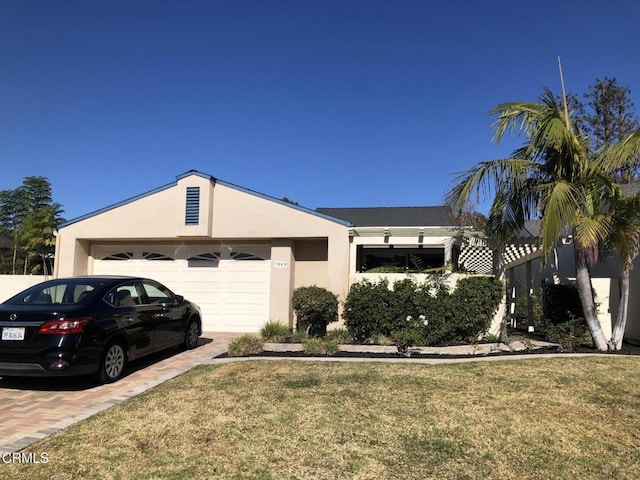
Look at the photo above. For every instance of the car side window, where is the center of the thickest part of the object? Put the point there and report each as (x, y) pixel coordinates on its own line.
(124, 296)
(157, 293)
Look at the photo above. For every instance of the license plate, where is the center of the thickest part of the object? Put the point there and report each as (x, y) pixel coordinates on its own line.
(13, 333)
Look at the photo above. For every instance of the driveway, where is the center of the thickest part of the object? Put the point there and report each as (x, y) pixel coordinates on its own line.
(34, 408)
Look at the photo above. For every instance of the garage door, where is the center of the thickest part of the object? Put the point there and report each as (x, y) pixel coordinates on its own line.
(230, 284)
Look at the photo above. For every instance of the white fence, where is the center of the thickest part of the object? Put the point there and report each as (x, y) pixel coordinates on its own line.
(12, 284)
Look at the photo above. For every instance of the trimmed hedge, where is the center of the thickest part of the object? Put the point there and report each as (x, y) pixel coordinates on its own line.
(422, 313)
(315, 307)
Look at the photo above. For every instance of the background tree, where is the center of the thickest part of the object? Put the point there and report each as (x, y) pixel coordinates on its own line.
(28, 217)
(607, 115)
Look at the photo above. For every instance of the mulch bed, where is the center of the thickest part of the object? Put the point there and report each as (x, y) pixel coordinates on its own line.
(627, 349)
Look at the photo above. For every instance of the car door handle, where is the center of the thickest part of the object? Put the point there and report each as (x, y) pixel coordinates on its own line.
(129, 320)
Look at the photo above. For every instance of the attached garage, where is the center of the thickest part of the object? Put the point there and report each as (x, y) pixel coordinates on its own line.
(237, 253)
(230, 283)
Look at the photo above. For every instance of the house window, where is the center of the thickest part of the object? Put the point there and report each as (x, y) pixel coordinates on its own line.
(192, 212)
(119, 256)
(390, 258)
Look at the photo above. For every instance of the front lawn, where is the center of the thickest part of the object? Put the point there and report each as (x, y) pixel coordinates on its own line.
(540, 418)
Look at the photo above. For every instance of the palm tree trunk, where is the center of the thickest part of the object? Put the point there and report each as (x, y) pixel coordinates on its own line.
(585, 291)
(620, 324)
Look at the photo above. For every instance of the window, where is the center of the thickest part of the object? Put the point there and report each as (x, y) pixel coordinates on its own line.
(157, 294)
(413, 259)
(59, 292)
(119, 256)
(192, 211)
(124, 296)
(244, 256)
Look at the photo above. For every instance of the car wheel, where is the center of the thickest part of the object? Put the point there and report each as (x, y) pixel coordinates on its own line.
(112, 364)
(191, 335)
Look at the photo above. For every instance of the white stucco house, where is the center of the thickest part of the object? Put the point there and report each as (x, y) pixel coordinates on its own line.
(239, 254)
(235, 252)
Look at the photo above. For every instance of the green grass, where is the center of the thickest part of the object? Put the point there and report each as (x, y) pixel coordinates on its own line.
(534, 419)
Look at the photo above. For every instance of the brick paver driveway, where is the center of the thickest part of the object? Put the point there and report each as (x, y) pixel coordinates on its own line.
(37, 407)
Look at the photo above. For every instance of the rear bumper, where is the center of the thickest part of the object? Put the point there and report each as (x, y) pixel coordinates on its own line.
(51, 364)
(36, 370)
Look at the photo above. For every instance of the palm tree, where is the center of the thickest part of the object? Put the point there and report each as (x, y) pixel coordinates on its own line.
(551, 177)
(625, 236)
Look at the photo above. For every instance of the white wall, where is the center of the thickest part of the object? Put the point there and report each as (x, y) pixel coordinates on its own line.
(12, 284)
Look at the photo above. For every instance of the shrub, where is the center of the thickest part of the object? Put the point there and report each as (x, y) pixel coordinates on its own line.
(570, 334)
(319, 346)
(340, 335)
(275, 332)
(475, 300)
(379, 339)
(315, 307)
(373, 310)
(247, 344)
(407, 338)
(366, 311)
(299, 336)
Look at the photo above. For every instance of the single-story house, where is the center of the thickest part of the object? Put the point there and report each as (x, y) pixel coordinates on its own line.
(239, 254)
(235, 252)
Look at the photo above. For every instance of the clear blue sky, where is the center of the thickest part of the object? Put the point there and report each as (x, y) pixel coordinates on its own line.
(330, 103)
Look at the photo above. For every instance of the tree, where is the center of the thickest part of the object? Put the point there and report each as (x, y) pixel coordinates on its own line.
(609, 119)
(551, 177)
(28, 217)
(625, 237)
(607, 116)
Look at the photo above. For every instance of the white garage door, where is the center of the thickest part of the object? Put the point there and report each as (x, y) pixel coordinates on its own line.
(230, 284)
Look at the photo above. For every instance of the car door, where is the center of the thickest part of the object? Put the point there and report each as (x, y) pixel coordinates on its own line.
(132, 318)
(168, 315)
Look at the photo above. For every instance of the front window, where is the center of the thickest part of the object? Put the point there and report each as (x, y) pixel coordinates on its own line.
(401, 259)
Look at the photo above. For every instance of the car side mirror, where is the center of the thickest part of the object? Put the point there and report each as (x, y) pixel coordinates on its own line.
(179, 299)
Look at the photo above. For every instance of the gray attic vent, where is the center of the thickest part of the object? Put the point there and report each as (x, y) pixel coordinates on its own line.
(192, 212)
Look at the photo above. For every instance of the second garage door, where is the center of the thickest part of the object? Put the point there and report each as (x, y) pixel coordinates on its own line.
(230, 283)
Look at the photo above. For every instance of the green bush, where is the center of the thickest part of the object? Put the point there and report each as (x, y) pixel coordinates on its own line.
(570, 334)
(247, 344)
(275, 332)
(315, 307)
(475, 300)
(340, 335)
(366, 309)
(320, 346)
(407, 338)
(437, 315)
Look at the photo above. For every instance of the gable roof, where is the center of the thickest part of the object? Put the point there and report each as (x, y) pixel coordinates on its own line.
(437, 216)
(215, 181)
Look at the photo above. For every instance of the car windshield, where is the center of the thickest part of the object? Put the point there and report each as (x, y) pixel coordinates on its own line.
(55, 292)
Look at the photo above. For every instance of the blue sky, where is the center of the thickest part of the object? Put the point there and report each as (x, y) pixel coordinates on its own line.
(330, 103)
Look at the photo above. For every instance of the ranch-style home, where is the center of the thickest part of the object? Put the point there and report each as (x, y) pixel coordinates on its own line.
(239, 254)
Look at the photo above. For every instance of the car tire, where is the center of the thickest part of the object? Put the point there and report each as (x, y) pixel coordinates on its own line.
(112, 364)
(191, 335)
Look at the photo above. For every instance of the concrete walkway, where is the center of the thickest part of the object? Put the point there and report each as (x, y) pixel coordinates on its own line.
(33, 409)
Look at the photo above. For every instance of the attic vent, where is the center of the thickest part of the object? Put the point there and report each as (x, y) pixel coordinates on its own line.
(192, 212)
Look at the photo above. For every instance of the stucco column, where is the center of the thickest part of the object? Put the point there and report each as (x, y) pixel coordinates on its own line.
(282, 278)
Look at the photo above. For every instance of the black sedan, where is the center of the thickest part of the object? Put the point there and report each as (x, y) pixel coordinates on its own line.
(92, 325)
